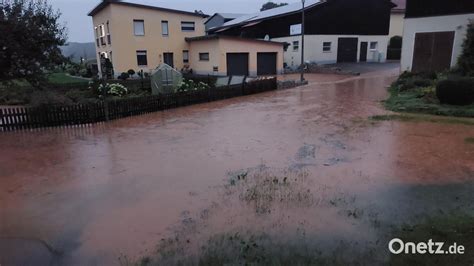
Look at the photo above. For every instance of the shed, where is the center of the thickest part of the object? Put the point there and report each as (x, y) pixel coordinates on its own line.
(165, 79)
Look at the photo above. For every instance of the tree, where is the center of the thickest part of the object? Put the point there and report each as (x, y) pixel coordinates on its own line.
(466, 60)
(30, 40)
(271, 5)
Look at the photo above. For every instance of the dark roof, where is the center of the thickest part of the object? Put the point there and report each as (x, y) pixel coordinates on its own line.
(420, 8)
(135, 3)
(225, 16)
(216, 37)
(275, 13)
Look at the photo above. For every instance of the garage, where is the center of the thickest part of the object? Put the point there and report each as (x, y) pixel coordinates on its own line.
(266, 64)
(237, 64)
(347, 50)
(433, 51)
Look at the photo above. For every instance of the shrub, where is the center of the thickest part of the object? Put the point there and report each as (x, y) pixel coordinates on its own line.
(456, 91)
(115, 89)
(466, 60)
(131, 72)
(124, 76)
(190, 85)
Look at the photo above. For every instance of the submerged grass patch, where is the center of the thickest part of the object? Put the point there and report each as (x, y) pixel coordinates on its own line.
(422, 118)
(451, 228)
(469, 140)
(423, 100)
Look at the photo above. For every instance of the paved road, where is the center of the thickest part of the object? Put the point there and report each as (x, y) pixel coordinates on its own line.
(88, 196)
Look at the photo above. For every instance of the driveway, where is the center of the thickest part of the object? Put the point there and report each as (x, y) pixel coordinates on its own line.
(91, 195)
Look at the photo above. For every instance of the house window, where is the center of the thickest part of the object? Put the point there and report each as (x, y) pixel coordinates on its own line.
(97, 36)
(296, 46)
(203, 56)
(185, 56)
(327, 46)
(109, 39)
(164, 28)
(139, 27)
(141, 58)
(373, 45)
(187, 26)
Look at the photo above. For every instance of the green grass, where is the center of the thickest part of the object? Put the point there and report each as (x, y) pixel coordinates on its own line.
(423, 100)
(63, 78)
(423, 118)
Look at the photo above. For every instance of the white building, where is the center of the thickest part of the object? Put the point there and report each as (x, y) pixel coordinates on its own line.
(335, 30)
(434, 33)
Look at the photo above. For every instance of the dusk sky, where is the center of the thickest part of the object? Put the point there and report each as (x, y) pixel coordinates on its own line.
(74, 12)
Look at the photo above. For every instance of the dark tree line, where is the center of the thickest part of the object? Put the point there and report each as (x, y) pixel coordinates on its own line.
(271, 5)
(30, 38)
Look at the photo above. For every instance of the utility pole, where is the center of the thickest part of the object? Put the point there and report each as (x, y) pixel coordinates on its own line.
(302, 41)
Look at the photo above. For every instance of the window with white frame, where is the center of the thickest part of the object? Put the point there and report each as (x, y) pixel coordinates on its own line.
(296, 46)
(187, 26)
(327, 47)
(165, 28)
(185, 56)
(374, 45)
(139, 27)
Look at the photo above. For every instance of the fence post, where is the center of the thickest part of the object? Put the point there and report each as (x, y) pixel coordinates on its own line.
(2, 120)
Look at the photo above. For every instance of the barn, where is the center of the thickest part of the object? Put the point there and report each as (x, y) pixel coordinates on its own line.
(433, 34)
(335, 30)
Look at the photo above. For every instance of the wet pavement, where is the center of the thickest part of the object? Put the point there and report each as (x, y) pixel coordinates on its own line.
(92, 195)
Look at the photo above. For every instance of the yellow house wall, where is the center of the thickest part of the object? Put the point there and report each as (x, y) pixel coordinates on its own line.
(396, 24)
(218, 49)
(125, 43)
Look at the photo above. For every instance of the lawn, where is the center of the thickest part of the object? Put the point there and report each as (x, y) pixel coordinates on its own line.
(415, 94)
(63, 78)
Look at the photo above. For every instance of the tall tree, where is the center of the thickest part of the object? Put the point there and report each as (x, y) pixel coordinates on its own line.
(270, 5)
(30, 38)
(466, 60)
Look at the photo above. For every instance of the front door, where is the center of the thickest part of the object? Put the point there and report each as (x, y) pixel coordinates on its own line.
(363, 51)
(168, 59)
(347, 50)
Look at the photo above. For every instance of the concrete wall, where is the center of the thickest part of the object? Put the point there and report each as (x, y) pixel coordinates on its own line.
(125, 43)
(457, 23)
(396, 24)
(218, 49)
(314, 49)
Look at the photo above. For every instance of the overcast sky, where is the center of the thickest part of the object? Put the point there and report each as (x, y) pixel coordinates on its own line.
(74, 12)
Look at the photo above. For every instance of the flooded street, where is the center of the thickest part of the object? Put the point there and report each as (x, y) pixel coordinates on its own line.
(112, 192)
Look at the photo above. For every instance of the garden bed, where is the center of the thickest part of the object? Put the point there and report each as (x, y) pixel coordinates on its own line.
(416, 93)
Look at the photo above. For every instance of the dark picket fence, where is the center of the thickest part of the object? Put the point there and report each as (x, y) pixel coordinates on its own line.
(21, 118)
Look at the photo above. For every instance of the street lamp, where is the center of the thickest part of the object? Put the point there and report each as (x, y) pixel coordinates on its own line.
(302, 42)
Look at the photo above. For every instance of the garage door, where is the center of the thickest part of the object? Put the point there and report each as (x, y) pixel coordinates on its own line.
(237, 64)
(347, 50)
(433, 51)
(266, 64)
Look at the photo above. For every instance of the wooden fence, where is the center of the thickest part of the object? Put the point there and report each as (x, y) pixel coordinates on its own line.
(21, 118)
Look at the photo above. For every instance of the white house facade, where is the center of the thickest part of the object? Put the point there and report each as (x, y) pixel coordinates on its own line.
(434, 33)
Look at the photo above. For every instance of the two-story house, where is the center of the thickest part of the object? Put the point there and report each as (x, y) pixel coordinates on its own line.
(140, 37)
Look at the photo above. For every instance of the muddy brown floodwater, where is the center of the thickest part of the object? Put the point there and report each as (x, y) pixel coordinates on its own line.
(301, 161)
